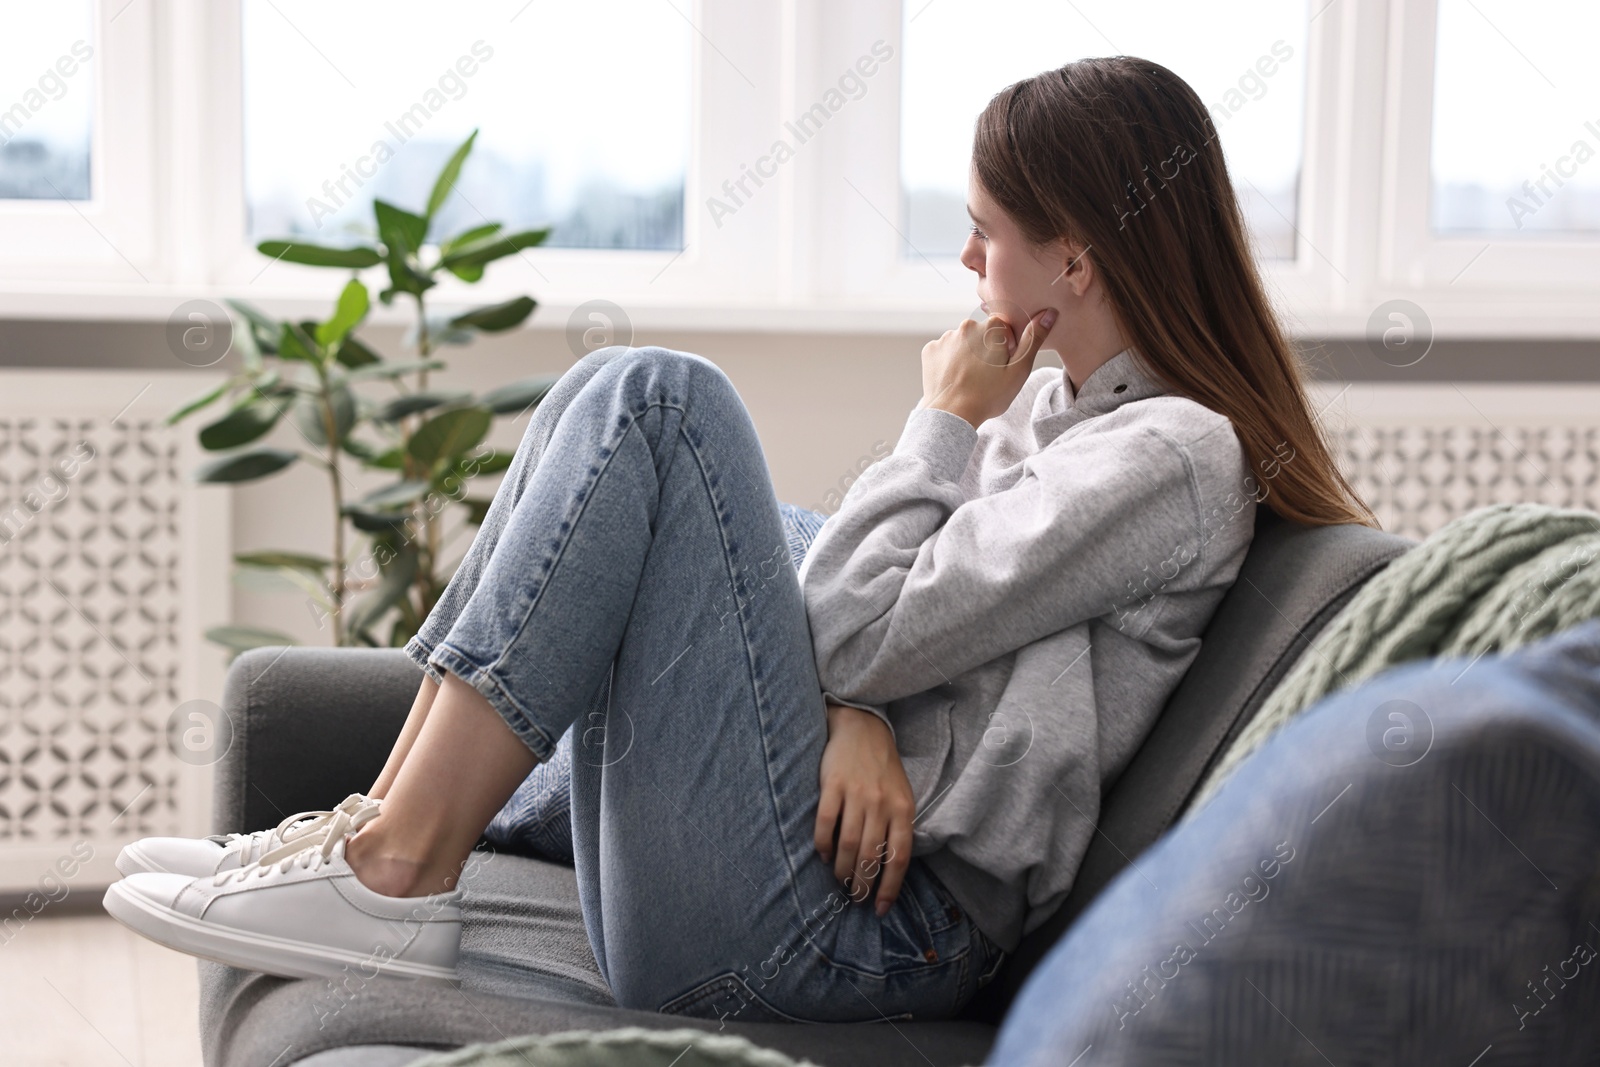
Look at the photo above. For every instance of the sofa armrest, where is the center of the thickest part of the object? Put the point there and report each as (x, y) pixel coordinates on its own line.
(310, 727)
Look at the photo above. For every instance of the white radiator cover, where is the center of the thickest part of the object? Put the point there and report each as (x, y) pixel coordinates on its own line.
(112, 563)
(1424, 454)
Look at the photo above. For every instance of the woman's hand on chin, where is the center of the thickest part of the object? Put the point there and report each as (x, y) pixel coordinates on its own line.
(977, 369)
(867, 803)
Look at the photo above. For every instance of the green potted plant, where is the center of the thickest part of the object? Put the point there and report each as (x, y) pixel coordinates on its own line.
(385, 569)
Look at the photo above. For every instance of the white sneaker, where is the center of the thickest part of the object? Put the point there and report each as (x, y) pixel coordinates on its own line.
(199, 856)
(299, 913)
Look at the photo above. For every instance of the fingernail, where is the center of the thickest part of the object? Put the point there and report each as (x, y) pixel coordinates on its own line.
(883, 908)
(1049, 319)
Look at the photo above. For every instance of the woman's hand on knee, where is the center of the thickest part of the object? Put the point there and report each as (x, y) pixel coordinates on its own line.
(866, 804)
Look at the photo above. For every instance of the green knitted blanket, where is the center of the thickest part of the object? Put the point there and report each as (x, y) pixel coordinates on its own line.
(1492, 580)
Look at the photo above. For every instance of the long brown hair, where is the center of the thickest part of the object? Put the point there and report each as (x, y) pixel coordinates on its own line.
(1120, 155)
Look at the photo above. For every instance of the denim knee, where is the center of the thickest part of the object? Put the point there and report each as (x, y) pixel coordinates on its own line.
(685, 374)
(605, 355)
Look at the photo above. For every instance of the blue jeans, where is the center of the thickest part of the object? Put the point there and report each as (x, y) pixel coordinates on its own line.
(1405, 874)
(631, 580)
(537, 820)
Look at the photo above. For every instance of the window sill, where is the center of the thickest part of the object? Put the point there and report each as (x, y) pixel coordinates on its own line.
(1451, 315)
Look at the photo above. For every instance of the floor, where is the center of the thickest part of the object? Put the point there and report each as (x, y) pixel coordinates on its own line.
(82, 990)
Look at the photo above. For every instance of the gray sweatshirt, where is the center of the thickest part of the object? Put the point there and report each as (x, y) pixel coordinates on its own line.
(1017, 602)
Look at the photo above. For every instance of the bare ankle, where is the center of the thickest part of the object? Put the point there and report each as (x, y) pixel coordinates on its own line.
(392, 873)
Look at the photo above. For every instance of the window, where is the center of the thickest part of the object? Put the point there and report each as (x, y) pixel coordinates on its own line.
(1445, 152)
(1245, 58)
(581, 127)
(47, 94)
(1516, 126)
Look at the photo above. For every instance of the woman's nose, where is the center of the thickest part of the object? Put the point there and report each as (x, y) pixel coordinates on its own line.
(972, 256)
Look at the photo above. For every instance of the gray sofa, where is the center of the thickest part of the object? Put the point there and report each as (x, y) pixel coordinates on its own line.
(311, 725)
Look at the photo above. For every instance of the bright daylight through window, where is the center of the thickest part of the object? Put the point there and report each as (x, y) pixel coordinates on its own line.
(375, 106)
(1516, 118)
(1246, 59)
(46, 101)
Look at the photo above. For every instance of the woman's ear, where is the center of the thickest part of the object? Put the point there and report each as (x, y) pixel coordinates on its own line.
(1077, 269)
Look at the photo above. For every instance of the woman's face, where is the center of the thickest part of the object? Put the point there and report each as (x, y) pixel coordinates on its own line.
(1016, 279)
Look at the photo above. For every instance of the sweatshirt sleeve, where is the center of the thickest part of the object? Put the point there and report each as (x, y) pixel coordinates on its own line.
(911, 584)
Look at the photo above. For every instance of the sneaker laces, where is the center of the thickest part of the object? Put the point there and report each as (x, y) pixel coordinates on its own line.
(301, 825)
(308, 849)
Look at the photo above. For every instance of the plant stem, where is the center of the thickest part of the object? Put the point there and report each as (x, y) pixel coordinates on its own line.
(428, 549)
(330, 431)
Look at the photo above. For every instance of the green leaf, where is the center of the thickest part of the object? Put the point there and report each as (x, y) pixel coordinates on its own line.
(282, 580)
(477, 508)
(395, 495)
(449, 434)
(296, 343)
(377, 522)
(344, 410)
(245, 466)
(306, 381)
(354, 353)
(477, 233)
(489, 249)
(446, 181)
(411, 403)
(250, 420)
(493, 318)
(389, 459)
(354, 301)
(520, 395)
(265, 330)
(272, 384)
(401, 230)
(395, 583)
(311, 418)
(451, 476)
(472, 273)
(362, 450)
(491, 462)
(315, 255)
(244, 638)
(317, 565)
(394, 459)
(253, 315)
(368, 372)
(248, 346)
(405, 277)
(202, 401)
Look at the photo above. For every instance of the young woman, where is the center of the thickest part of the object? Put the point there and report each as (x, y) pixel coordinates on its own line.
(842, 794)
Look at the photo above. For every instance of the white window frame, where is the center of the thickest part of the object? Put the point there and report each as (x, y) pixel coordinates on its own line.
(817, 247)
(1472, 284)
(857, 186)
(660, 284)
(112, 240)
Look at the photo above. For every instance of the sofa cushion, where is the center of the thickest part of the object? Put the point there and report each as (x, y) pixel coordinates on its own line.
(629, 1047)
(526, 968)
